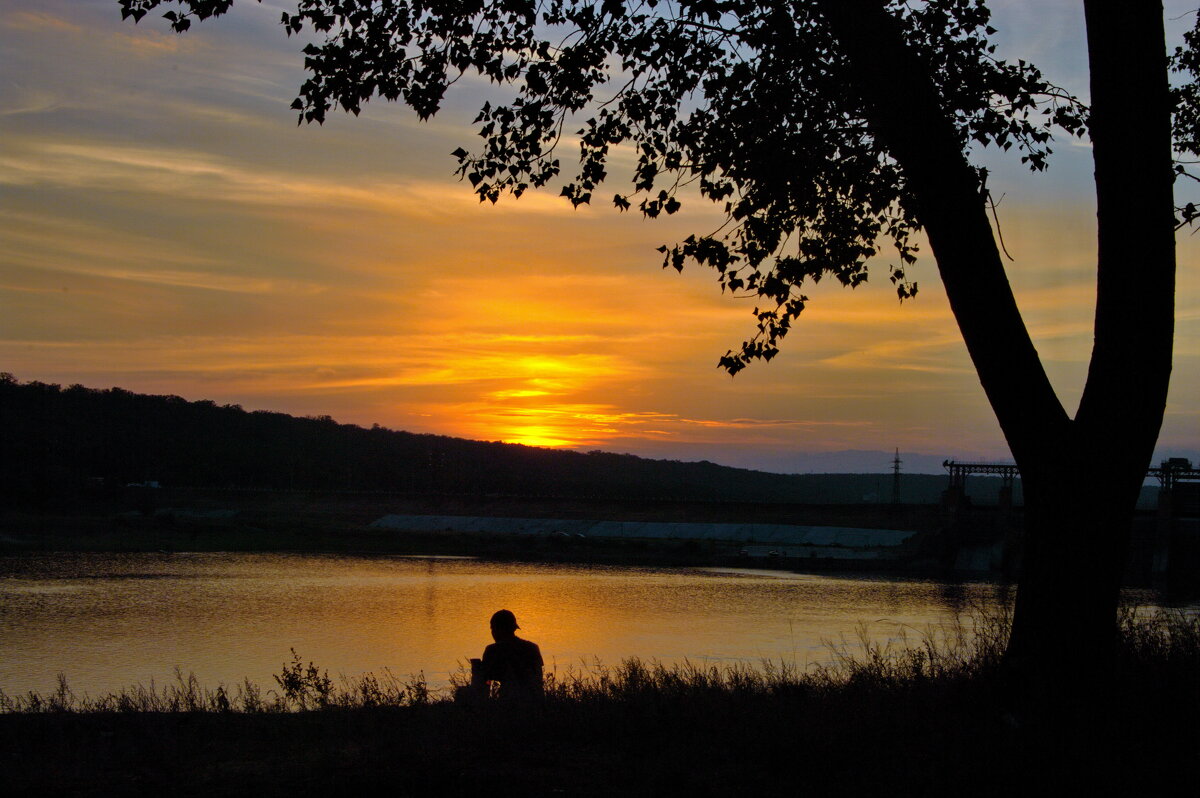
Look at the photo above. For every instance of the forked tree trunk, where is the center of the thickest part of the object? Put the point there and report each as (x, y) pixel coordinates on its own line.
(1080, 476)
(1082, 505)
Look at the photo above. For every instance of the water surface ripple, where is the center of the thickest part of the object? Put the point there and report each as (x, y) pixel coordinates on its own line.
(111, 620)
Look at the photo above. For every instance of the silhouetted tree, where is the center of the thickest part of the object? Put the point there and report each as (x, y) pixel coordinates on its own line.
(825, 127)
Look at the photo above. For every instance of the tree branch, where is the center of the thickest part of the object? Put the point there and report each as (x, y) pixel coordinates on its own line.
(906, 113)
(1126, 391)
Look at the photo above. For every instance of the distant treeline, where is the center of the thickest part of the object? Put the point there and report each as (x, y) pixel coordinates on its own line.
(57, 442)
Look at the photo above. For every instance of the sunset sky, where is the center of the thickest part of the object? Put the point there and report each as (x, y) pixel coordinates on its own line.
(166, 226)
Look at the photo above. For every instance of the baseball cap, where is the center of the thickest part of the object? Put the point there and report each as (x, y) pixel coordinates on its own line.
(504, 619)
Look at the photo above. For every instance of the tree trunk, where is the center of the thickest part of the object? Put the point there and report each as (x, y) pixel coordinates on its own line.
(1080, 477)
(1082, 506)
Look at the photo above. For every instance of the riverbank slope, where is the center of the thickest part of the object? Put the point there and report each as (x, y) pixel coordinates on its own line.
(918, 722)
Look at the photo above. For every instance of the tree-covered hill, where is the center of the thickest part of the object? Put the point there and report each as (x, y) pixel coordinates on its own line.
(59, 441)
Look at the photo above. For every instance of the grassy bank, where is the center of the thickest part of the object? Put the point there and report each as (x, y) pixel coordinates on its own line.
(934, 718)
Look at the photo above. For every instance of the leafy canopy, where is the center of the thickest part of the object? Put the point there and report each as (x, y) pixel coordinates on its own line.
(745, 104)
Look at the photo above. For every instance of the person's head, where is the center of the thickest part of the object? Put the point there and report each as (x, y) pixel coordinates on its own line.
(504, 624)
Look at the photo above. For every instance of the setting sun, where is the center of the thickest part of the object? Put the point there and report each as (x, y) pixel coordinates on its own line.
(536, 436)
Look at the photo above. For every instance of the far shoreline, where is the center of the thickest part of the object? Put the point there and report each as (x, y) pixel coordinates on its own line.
(331, 527)
(179, 519)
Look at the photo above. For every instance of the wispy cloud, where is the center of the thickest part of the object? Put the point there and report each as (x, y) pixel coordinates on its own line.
(35, 22)
(49, 245)
(182, 172)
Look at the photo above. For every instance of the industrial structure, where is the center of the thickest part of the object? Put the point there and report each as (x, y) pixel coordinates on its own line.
(1167, 544)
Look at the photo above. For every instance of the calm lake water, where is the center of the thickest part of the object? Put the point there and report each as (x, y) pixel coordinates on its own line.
(108, 621)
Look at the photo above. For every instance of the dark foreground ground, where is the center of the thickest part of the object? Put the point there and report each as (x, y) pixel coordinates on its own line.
(933, 739)
(941, 718)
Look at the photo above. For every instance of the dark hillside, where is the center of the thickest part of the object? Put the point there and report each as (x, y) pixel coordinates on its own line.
(57, 443)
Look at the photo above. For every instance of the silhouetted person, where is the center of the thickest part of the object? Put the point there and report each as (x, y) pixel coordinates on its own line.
(515, 663)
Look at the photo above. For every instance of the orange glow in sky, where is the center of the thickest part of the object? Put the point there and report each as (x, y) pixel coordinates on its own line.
(165, 226)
